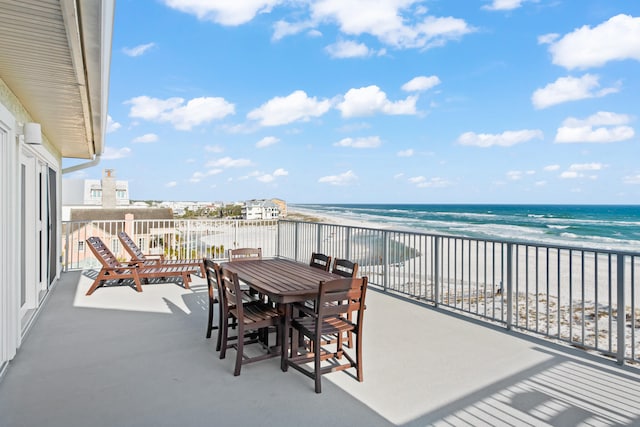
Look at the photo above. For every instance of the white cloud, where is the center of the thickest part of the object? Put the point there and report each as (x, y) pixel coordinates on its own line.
(405, 153)
(369, 100)
(569, 88)
(138, 50)
(613, 40)
(586, 167)
(394, 22)
(363, 142)
(280, 172)
(551, 168)
(112, 125)
(345, 178)
(517, 175)
(422, 182)
(503, 5)
(569, 175)
(213, 148)
(283, 29)
(632, 179)
(199, 176)
(505, 139)
(267, 141)
(292, 108)
(174, 110)
(577, 170)
(548, 38)
(148, 137)
(171, 184)
(398, 23)
(111, 153)
(348, 49)
(227, 12)
(228, 162)
(421, 83)
(271, 177)
(602, 127)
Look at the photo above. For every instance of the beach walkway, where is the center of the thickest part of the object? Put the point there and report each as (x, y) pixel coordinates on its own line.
(121, 358)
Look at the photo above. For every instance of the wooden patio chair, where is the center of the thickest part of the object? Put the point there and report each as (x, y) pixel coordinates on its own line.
(213, 278)
(345, 268)
(245, 254)
(249, 316)
(320, 261)
(112, 269)
(148, 260)
(335, 299)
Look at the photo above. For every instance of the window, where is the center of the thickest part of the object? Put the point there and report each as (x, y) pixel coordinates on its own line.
(96, 193)
(141, 244)
(81, 246)
(121, 194)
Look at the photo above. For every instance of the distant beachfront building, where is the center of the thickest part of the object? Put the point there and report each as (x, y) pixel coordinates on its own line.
(260, 209)
(93, 193)
(282, 206)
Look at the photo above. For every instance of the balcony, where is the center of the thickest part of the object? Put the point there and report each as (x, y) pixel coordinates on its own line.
(464, 355)
(141, 359)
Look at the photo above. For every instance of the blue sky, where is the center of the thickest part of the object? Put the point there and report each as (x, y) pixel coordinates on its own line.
(385, 101)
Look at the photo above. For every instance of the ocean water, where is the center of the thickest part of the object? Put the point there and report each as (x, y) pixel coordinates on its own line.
(615, 227)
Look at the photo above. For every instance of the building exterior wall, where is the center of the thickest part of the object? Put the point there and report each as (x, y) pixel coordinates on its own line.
(29, 201)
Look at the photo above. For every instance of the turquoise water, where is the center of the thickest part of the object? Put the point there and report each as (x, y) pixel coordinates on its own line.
(598, 226)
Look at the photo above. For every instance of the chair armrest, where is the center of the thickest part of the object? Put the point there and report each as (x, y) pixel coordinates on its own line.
(159, 257)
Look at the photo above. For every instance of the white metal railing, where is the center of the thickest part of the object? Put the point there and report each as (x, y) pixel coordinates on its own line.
(173, 238)
(565, 293)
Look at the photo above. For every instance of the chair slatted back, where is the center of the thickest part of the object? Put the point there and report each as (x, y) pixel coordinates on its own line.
(245, 254)
(131, 246)
(230, 292)
(103, 253)
(212, 271)
(340, 297)
(320, 261)
(345, 268)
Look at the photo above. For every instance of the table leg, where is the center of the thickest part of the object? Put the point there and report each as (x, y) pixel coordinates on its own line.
(284, 346)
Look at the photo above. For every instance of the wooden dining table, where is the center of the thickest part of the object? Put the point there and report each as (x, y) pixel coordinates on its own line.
(284, 282)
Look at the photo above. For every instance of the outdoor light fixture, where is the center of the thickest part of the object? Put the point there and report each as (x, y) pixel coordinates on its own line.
(31, 132)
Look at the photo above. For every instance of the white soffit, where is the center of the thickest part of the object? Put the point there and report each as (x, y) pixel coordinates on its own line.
(55, 57)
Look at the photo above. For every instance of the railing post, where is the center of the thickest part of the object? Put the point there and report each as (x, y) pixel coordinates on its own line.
(385, 260)
(235, 233)
(436, 269)
(278, 239)
(295, 241)
(66, 247)
(347, 249)
(318, 237)
(621, 316)
(509, 284)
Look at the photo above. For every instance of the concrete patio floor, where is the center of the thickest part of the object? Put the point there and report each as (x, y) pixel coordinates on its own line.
(121, 358)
